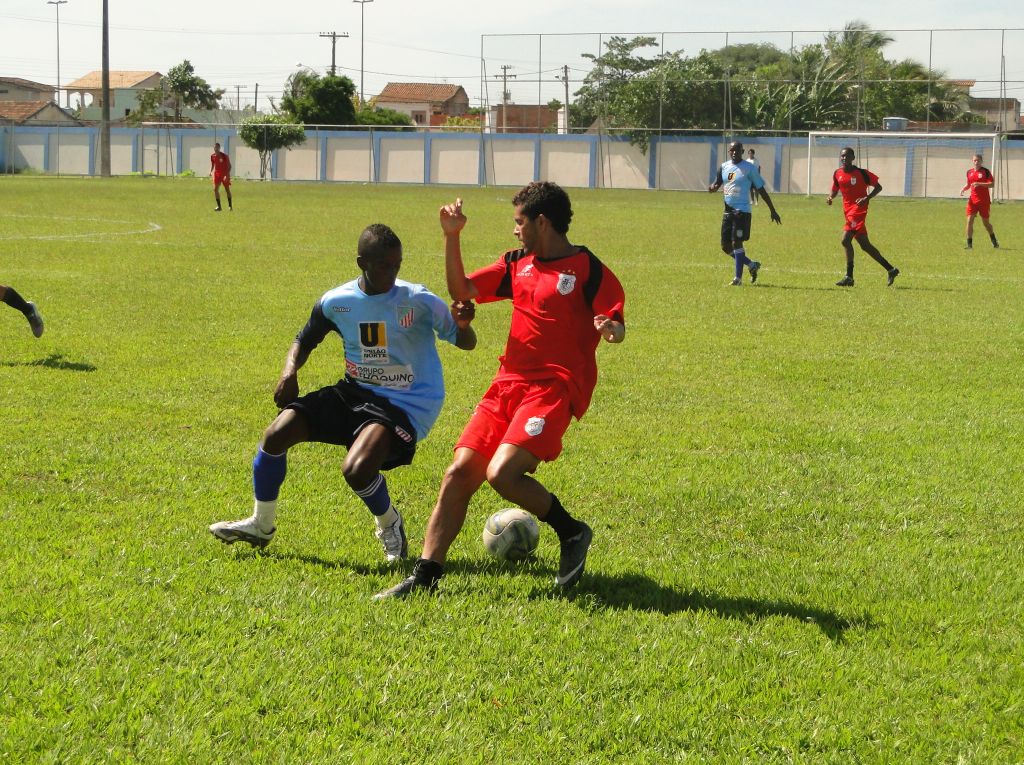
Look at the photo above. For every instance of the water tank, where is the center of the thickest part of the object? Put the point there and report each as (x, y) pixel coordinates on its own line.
(894, 123)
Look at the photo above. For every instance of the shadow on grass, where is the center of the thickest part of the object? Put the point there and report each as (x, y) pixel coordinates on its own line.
(763, 286)
(53, 361)
(640, 593)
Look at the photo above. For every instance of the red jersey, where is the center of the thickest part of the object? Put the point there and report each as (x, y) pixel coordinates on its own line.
(853, 185)
(554, 303)
(979, 194)
(220, 163)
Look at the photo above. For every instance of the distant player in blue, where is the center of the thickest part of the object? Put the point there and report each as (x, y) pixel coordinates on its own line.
(387, 402)
(740, 180)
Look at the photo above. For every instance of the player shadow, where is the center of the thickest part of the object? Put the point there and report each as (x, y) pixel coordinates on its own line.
(381, 568)
(636, 592)
(54, 361)
(763, 286)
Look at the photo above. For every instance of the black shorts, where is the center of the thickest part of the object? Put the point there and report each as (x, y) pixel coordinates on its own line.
(735, 227)
(338, 413)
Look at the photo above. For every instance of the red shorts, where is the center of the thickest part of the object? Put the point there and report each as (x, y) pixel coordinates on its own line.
(979, 208)
(533, 415)
(857, 223)
(220, 179)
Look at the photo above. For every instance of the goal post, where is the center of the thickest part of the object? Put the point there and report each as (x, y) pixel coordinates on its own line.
(907, 164)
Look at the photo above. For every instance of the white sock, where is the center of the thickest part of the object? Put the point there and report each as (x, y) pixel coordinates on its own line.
(265, 513)
(388, 519)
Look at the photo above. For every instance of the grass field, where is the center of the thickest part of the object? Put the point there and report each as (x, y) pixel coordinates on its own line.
(806, 500)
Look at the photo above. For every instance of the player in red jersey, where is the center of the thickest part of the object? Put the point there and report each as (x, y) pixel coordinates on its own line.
(220, 167)
(979, 181)
(854, 183)
(564, 300)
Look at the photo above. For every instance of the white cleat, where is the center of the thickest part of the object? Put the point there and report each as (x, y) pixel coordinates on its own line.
(244, 530)
(392, 537)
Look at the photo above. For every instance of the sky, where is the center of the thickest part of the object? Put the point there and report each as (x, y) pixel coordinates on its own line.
(239, 45)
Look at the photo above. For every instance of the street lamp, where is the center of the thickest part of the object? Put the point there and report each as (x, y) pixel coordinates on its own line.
(58, 4)
(362, 45)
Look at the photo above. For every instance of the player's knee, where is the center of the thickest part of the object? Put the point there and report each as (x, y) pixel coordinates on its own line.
(503, 477)
(282, 433)
(360, 469)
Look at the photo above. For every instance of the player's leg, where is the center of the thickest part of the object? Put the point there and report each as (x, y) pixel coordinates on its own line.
(10, 296)
(870, 249)
(216, 192)
(227, 191)
(535, 435)
(372, 447)
(971, 215)
(988, 227)
(269, 467)
(847, 244)
(726, 239)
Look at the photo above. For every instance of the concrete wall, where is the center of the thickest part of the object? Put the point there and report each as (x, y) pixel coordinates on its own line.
(905, 167)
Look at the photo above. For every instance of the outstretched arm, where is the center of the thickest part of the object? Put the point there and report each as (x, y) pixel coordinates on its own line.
(464, 311)
(768, 201)
(452, 223)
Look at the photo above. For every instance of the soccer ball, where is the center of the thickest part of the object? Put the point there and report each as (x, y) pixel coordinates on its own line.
(511, 534)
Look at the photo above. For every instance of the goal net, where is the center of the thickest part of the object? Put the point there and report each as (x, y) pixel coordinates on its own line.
(909, 164)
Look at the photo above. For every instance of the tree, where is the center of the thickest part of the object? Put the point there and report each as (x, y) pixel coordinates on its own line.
(316, 100)
(384, 119)
(267, 134)
(190, 90)
(153, 105)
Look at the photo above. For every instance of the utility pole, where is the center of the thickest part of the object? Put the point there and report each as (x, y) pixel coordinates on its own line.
(334, 43)
(362, 46)
(58, 4)
(105, 112)
(256, 100)
(504, 94)
(565, 78)
(238, 96)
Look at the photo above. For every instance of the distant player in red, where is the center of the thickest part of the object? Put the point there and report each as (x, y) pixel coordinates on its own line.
(854, 183)
(564, 301)
(220, 168)
(979, 181)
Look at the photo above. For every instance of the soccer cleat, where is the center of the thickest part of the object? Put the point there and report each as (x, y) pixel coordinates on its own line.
(736, 282)
(968, 246)
(217, 208)
(995, 244)
(754, 267)
(392, 537)
(418, 581)
(34, 319)
(893, 273)
(846, 281)
(244, 530)
(573, 557)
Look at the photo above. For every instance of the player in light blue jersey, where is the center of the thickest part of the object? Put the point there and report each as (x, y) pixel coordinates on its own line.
(739, 179)
(387, 402)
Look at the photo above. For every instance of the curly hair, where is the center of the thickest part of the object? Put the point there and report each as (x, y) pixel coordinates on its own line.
(377, 239)
(547, 199)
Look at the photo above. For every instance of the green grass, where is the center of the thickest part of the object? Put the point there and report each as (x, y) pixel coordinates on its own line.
(806, 500)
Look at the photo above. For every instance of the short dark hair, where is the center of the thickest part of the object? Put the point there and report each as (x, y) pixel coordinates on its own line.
(547, 199)
(377, 239)
(847, 150)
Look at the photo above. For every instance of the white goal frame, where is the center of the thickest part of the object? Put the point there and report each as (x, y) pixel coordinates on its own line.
(994, 140)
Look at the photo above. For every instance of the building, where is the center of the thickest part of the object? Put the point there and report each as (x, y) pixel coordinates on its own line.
(426, 103)
(124, 89)
(36, 114)
(999, 113)
(17, 89)
(522, 118)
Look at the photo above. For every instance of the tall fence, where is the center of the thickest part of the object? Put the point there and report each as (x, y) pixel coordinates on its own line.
(916, 165)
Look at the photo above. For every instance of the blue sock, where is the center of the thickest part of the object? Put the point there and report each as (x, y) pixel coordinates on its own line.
(741, 260)
(268, 471)
(376, 495)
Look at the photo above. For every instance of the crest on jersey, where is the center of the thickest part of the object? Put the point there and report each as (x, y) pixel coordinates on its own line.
(406, 316)
(534, 426)
(566, 283)
(853, 180)
(373, 341)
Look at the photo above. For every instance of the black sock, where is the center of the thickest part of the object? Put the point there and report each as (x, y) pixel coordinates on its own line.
(849, 270)
(559, 519)
(970, 241)
(992, 236)
(14, 300)
(428, 571)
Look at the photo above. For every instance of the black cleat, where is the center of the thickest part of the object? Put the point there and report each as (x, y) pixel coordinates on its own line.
(846, 281)
(418, 581)
(754, 267)
(893, 273)
(573, 557)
